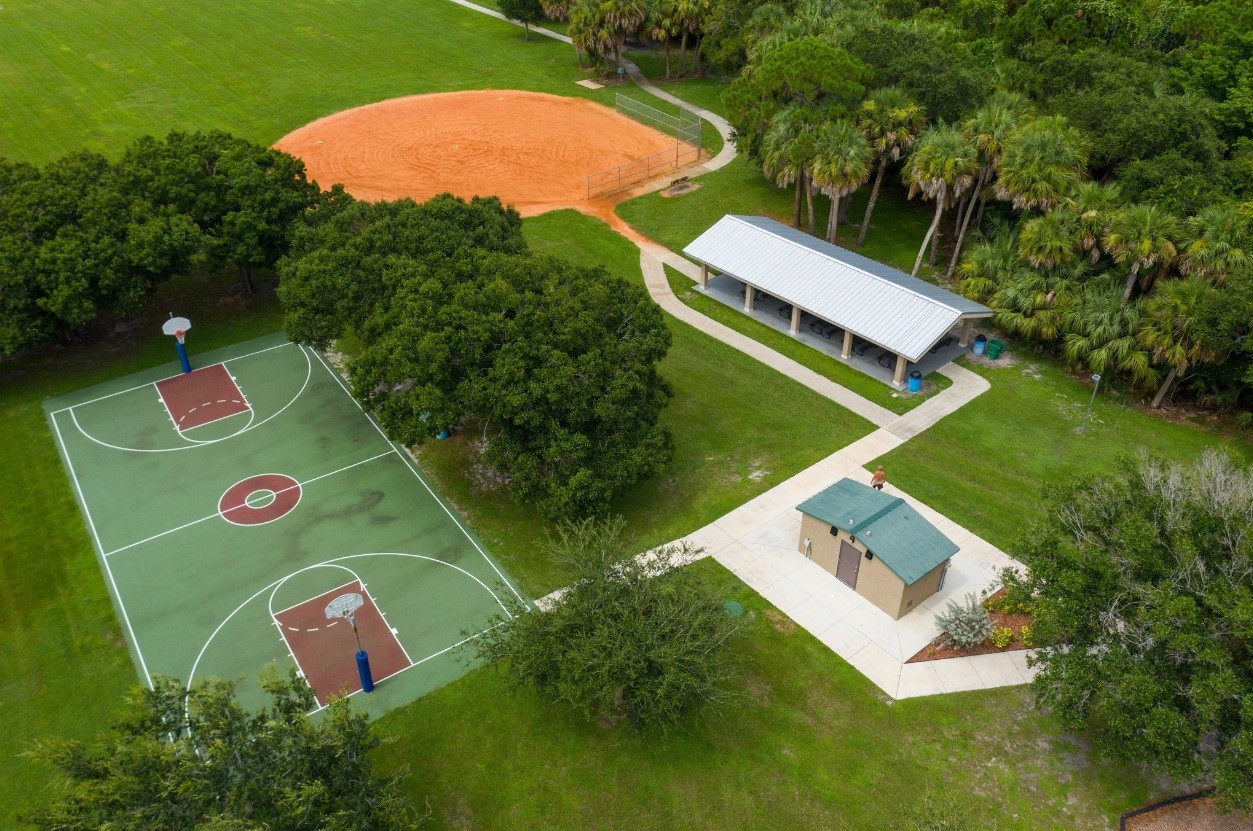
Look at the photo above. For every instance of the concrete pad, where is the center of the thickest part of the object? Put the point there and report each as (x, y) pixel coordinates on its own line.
(966, 572)
(748, 517)
(784, 560)
(813, 615)
(782, 531)
(996, 670)
(918, 680)
(880, 667)
(711, 538)
(758, 575)
(786, 594)
(843, 640)
(916, 630)
(878, 626)
(840, 598)
(735, 557)
(1019, 657)
(590, 84)
(814, 577)
(957, 674)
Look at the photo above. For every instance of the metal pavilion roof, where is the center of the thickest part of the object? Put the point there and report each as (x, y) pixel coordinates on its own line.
(880, 304)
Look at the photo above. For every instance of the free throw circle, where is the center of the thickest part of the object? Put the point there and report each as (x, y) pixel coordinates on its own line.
(259, 499)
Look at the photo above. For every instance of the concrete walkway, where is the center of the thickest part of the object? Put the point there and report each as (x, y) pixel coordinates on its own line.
(758, 541)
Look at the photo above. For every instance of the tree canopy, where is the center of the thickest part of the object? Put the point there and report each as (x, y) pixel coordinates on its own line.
(204, 763)
(554, 365)
(1143, 587)
(640, 639)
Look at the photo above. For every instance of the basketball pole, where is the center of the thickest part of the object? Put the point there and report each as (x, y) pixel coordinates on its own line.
(363, 662)
(181, 348)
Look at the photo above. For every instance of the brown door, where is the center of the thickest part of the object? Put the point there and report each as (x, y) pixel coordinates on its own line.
(850, 562)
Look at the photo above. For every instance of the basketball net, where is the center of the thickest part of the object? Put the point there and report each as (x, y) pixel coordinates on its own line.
(180, 334)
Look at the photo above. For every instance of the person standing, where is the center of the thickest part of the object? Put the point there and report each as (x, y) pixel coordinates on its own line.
(878, 479)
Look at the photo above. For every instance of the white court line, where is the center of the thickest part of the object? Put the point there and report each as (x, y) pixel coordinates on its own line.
(334, 563)
(194, 443)
(153, 383)
(405, 457)
(328, 591)
(216, 514)
(117, 594)
(417, 663)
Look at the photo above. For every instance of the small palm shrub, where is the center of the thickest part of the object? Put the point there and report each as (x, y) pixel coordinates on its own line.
(964, 624)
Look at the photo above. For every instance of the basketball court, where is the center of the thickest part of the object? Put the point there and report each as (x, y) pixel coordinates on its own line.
(230, 505)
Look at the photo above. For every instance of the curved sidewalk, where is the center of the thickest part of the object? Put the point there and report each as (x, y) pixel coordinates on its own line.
(758, 541)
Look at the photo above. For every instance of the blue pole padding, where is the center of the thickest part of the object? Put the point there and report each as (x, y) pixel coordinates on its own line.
(363, 669)
(182, 356)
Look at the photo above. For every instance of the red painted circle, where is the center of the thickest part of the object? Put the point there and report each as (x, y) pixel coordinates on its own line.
(234, 507)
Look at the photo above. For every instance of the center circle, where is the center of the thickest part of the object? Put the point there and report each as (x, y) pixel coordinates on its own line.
(259, 499)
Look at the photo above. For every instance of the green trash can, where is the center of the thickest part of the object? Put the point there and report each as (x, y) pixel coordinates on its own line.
(994, 349)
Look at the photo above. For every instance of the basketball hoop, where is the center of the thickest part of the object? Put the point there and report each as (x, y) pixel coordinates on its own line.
(177, 327)
(345, 606)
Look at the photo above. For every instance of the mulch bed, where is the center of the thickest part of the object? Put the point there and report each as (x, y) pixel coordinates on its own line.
(936, 651)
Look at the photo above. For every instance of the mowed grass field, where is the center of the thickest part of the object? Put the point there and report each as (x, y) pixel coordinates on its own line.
(812, 743)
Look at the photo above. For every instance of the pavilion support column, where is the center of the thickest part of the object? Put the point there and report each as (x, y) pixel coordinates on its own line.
(704, 276)
(899, 377)
(748, 298)
(968, 326)
(796, 319)
(848, 345)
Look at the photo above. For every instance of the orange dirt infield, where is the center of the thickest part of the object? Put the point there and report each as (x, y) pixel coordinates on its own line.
(531, 149)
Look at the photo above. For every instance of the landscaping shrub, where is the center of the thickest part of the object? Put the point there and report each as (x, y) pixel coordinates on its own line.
(964, 624)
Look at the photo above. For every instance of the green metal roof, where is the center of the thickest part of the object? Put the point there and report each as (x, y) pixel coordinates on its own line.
(887, 525)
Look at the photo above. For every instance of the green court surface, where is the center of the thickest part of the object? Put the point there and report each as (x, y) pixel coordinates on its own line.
(197, 592)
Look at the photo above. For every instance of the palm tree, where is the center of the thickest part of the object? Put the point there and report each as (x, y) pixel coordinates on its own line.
(623, 17)
(1142, 236)
(591, 35)
(1217, 244)
(1092, 204)
(1101, 334)
(1169, 328)
(1050, 240)
(1041, 162)
(942, 167)
(786, 150)
(841, 164)
(891, 122)
(662, 24)
(1035, 304)
(987, 265)
(988, 128)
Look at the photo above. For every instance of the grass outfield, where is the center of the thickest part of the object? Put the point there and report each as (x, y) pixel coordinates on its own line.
(97, 75)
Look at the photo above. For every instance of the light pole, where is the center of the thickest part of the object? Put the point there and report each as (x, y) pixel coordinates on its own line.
(1083, 427)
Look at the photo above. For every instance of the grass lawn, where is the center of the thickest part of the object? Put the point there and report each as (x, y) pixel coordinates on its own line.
(823, 364)
(704, 93)
(97, 75)
(811, 744)
(739, 429)
(985, 465)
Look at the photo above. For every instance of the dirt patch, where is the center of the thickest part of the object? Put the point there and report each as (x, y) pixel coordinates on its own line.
(780, 622)
(1193, 815)
(680, 188)
(531, 149)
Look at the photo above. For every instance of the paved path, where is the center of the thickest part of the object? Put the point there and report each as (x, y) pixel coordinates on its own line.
(758, 541)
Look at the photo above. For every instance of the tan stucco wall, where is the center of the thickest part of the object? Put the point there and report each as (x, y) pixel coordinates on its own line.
(875, 581)
(880, 585)
(926, 586)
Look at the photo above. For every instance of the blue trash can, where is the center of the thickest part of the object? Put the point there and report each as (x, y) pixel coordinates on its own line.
(915, 381)
(981, 343)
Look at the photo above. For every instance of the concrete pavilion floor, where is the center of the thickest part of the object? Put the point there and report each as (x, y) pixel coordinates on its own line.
(728, 290)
